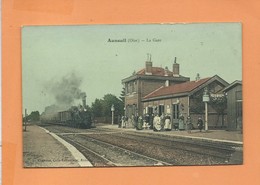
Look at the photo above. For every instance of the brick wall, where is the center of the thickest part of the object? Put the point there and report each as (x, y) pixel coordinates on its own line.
(131, 99)
(147, 87)
(144, 87)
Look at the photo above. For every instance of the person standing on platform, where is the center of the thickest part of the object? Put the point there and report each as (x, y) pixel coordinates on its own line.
(167, 125)
(189, 124)
(133, 120)
(119, 121)
(200, 124)
(181, 125)
(157, 123)
(151, 116)
(139, 123)
(146, 121)
(162, 117)
(123, 122)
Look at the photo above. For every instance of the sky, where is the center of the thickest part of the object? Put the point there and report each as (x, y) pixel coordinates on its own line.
(51, 55)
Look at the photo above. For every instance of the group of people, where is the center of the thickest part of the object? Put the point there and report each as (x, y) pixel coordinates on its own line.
(158, 123)
(139, 122)
(189, 124)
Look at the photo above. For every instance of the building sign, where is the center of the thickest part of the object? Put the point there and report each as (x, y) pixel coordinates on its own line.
(216, 95)
(205, 98)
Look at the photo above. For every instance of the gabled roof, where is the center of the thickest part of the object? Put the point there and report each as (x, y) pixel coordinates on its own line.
(233, 84)
(157, 71)
(185, 88)
(177, 88)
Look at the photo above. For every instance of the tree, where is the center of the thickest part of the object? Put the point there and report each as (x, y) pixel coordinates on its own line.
(122, 95)
(110, 100)
(102, 107)
(34, 116)
(97, 108)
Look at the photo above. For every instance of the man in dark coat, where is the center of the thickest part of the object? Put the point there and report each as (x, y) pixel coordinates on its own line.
(200, 124)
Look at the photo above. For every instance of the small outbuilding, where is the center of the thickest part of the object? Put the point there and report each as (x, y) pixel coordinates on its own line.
(234, 105)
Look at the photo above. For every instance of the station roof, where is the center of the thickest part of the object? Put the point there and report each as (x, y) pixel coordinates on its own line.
(182, 88)
(233, 84)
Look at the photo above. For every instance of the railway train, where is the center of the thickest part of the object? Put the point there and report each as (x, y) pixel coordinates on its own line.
(76, 116)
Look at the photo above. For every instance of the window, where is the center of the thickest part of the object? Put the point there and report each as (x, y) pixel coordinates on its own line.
(126, 88)
(175, 111)
(150, 110)
(238, 95)
(161, 110)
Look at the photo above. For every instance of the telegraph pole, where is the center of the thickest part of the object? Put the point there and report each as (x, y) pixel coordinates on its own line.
(25, 119)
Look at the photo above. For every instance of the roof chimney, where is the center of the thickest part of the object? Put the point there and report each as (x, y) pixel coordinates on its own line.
(176, 68)
(148, 65)
(166, 71)
(197, 77)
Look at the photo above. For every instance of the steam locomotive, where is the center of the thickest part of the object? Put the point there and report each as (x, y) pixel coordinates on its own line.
(76, 116)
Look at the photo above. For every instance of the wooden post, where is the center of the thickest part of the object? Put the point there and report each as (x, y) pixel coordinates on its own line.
(25, 119)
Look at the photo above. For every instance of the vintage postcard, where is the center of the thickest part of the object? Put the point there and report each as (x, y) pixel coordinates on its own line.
(132, 95)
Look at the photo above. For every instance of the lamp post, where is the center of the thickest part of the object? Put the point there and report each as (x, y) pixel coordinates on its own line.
(206, 100)
(112, 110)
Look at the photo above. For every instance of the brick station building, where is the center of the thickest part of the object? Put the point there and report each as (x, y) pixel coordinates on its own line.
(162, 91)
(146, 81)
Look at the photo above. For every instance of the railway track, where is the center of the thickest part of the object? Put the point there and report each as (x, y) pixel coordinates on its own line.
(164, 149)
(216, 145)
(220, 150)
(101, 153)
(94, 158)
(214, 149)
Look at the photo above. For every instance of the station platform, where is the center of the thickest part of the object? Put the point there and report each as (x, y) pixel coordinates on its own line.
(235, 137)
(44, 149)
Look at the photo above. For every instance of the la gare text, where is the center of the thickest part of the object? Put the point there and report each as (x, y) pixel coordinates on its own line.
(134, 40)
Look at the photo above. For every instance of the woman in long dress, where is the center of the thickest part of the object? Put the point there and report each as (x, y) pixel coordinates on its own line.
(189, 124)
(167, 125)
(157, 123)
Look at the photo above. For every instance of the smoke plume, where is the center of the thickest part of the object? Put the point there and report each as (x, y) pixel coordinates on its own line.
(66, 90)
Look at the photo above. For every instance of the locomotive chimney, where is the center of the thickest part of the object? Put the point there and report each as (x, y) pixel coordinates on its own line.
(84, 97)
(148, 65)
(176, 68)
